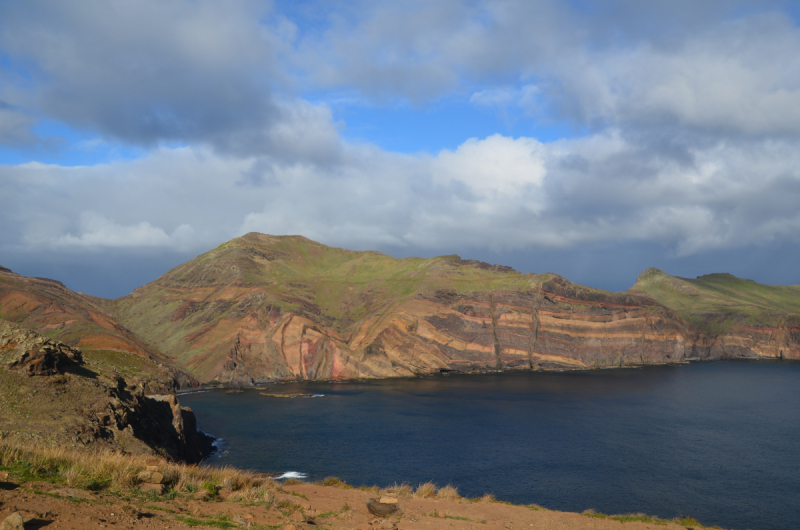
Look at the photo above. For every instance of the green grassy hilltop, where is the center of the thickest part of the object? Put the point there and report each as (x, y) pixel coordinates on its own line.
(720, 299)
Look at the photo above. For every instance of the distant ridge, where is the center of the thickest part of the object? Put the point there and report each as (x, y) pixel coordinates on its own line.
(263, 308)
(733, 316)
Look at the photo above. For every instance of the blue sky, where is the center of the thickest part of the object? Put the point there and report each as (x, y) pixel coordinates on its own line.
(591, 139)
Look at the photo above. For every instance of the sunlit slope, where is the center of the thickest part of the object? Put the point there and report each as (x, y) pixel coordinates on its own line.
(722, 305)
(719, 293)
(51, 309)
(338, 285)
(266, 307)
(48, 307)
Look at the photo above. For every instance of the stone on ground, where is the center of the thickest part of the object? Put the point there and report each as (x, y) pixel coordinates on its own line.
(13, 522)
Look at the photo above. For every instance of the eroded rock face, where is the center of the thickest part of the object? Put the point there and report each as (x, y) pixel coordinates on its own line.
(36, 355)
(73, 319)
(71, 403)
(262, 308)
(312, 312)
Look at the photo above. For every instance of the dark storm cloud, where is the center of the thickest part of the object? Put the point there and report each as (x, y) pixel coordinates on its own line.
(149, 72)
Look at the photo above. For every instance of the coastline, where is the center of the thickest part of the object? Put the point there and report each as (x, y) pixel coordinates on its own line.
(673, 392)
(229, 498)
(268, 385)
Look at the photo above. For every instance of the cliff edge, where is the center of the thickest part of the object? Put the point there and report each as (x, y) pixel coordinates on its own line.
(54, 394)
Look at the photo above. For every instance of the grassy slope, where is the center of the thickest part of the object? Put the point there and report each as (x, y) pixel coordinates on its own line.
(225, 497)
(344, 283)
(52, 408)
(341, 286)
(49, 308)
(720, 300)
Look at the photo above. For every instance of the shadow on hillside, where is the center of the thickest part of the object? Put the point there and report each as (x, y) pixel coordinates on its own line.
(82, 371)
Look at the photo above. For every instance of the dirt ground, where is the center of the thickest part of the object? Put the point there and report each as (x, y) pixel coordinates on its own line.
(305, 506)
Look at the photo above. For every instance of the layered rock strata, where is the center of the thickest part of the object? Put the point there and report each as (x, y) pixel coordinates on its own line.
(263, 308)
(74, 319)
(226, 319)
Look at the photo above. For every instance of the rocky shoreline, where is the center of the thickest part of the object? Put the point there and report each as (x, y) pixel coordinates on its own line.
(269, 385)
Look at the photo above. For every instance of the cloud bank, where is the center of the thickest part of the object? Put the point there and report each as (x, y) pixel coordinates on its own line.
(684, 120)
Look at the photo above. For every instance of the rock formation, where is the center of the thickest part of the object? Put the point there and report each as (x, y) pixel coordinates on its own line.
(265, 308)
(53, 395)
(729, 317)
(75, 319)
(36, 355)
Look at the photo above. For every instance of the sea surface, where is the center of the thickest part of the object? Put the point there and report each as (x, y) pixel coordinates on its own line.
(717, 441)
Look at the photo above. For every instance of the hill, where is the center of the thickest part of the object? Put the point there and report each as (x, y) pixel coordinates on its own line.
(56, 395)
(78, 320)
(731, 316)
(261, 308)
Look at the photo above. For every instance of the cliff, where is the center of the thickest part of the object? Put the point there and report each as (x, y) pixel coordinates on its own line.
(55, 394)
(729, 317)
(263, 308)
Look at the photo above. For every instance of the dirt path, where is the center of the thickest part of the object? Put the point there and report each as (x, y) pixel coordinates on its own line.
(306, 506)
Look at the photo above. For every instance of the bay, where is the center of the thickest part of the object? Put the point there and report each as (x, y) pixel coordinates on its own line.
(718, 441)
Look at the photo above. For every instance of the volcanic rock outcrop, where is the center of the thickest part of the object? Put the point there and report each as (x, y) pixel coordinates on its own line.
(264, 308)
(36, 355)
(77, 403)
(728, 317)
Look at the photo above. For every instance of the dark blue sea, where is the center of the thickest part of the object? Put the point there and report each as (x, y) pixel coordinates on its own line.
(719, 441)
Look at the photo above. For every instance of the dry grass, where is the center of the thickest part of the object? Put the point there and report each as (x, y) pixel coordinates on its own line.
(403, 490)
(425, 491)
(487, 497)
(117, 472)
(448, 492)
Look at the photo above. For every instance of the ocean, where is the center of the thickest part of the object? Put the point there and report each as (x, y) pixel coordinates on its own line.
(717, 441)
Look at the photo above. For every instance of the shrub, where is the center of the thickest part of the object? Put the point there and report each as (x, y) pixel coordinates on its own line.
(426, 490)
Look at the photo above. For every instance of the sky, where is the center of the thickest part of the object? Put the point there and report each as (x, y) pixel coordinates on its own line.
(593, 139)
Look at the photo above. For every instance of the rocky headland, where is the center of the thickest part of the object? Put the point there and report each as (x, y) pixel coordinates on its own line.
(263, 308)
(52, 394)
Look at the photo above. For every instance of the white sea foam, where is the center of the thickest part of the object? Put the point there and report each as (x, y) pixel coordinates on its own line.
(219, 444)
(318, 395)
(293, 474)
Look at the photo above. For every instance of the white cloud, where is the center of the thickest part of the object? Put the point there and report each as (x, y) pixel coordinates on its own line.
(498, 192)
(739, 77)
(99, 231)
(494, 167)
(494, 97)
(692, 144)
(709, 67)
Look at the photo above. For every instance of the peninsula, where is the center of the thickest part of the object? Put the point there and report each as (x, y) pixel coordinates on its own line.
(263, 308)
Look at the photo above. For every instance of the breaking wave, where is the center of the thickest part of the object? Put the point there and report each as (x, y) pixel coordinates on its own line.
(292, 474)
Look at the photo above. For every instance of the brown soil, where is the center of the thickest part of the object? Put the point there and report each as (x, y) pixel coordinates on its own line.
(305, 506)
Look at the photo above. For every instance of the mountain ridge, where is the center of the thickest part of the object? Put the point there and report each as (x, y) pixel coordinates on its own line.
(262, 308)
